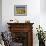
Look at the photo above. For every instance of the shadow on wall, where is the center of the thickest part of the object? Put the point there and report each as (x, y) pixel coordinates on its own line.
(0, 24)
(0, 15)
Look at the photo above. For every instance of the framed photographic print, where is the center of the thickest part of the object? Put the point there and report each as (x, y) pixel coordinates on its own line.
(20, 10)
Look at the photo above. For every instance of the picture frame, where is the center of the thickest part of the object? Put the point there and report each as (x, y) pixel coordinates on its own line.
(20, 10)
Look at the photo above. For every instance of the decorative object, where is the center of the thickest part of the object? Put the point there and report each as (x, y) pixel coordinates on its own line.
(41, 36)
(13, 21)
(7, 38)
(27, 21)
(1, 40)
(20, 10)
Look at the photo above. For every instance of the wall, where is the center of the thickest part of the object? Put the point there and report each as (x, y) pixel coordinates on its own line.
(33, 10)
(34, 14)
(0, 15)
(43, 14)
(43, 6)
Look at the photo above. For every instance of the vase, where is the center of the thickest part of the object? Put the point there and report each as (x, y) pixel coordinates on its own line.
(41, 43)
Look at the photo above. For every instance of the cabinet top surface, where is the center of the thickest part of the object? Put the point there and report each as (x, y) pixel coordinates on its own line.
(19, 23)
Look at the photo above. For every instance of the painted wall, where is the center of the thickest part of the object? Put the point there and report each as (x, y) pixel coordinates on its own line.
(43, 14)
(33, 11)
(0, 15)
(34, 14)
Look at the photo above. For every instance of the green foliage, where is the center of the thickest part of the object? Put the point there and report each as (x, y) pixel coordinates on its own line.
(40, 33)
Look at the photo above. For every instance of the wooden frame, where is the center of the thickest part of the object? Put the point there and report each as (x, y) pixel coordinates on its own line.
(20, 10)
(22, 28)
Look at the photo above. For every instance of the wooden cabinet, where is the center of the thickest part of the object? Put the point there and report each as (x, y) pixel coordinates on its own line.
(22, 33)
